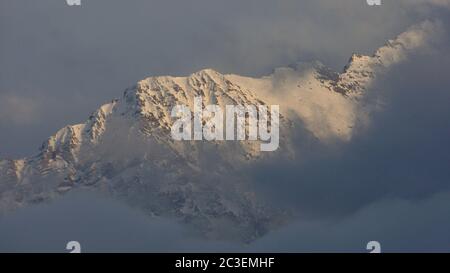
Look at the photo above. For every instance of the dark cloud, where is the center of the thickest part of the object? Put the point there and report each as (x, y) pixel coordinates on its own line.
(399, 225)
(99, 224)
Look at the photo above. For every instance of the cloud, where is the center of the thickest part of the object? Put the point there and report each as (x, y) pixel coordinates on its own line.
(19, 110)
(399, 225)
(401, 155)
(103, 225)
(100, 224)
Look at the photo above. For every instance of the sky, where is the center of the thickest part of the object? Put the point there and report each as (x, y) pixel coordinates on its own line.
(390, 183)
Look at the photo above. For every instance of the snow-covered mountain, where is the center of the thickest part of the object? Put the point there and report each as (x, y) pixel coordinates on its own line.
(125, 148)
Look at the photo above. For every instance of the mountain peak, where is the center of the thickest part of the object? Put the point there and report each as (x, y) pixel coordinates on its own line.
(125, 147)
(207, 72)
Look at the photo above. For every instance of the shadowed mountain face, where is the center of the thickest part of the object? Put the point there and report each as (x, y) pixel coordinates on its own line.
(125, 148)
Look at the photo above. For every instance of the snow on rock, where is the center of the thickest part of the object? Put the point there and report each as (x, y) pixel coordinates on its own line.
(361, 70)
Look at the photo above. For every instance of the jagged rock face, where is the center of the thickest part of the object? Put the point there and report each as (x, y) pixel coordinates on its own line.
(152, 100)
(125, 148)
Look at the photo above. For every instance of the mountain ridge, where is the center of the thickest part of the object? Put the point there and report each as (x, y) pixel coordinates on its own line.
(125, 148)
